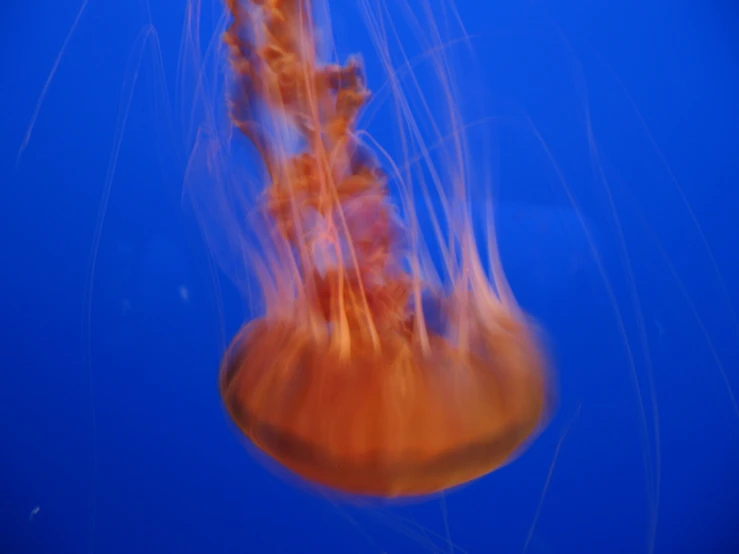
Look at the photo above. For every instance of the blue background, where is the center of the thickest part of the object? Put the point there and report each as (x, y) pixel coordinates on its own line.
(111, 420)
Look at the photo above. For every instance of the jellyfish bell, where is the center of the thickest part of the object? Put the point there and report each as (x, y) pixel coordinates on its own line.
(394, 420)
(370, 371)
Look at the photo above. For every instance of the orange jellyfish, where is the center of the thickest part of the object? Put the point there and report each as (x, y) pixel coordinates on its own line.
(343, 380)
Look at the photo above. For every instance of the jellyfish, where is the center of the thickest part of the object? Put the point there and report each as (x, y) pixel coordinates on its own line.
(367, 373)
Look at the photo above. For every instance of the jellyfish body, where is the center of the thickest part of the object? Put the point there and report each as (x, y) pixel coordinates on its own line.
(343, 381)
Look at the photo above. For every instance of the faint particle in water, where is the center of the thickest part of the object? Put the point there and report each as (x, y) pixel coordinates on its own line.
(34, 513)
(184, 293)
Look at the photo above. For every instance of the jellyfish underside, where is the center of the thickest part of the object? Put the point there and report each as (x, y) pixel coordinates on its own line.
(343, 381)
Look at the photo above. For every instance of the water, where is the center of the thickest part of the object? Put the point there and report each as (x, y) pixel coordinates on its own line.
(615, 166)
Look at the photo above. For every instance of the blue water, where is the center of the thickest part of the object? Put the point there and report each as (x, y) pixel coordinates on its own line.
(113, 438)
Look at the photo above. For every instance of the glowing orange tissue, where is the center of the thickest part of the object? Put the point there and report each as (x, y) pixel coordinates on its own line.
(344, 380)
